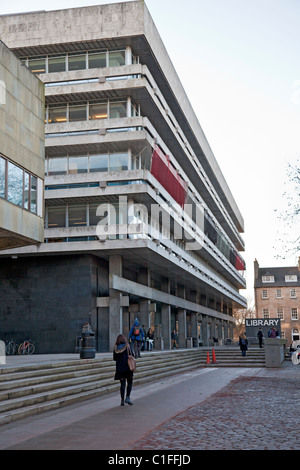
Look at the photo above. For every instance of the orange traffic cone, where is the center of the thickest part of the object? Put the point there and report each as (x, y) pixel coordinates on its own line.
(213, 357)
(207, 360)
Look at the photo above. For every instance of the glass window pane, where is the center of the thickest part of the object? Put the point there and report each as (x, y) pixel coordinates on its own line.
(117, 110)
(26, 190)
(33, 193)
(98, 163)
(56, 64)
(57, 166)
(97, 59)
(2, 177)
(98, 111)
(78, 164)
(116, 58)
(77, 62)
(77, 215)
(118, 161)
(57, 115)
(15, 184)
(77, 113)
(94, 219)
(56, 216)
(37, 65)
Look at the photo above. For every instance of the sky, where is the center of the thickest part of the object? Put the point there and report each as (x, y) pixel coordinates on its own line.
(239, 64)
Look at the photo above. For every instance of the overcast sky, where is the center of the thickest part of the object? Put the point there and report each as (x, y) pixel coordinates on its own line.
(239, 64)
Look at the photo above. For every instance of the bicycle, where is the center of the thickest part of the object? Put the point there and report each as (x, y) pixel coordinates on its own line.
(11, 347)
(27, 347)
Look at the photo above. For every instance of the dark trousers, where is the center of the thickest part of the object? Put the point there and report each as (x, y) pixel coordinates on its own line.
(123, 386)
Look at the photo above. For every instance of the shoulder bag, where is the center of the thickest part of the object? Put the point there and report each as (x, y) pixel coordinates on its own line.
(131, 360)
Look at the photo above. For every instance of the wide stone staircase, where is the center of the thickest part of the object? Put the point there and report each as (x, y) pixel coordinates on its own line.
(27, 390)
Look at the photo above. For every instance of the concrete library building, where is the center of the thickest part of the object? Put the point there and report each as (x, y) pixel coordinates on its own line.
(139, 220)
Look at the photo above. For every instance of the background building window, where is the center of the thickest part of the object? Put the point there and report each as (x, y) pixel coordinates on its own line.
(280, 313)
(294, 314)
(77, 215)
(77, 62)
(264, 294)
(293, 293)
(56, 216)
(57, 64)
(278, 294)
(97, 60)
(266, 313)
(2, 177)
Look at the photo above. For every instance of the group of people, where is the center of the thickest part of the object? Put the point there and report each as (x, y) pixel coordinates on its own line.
(243, 342)
(122, 349)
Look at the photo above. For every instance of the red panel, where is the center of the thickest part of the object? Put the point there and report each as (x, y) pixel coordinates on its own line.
(167, 176)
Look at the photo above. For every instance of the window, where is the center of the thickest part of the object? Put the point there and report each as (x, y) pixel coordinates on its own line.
(56, 216)
(78, 164)
(294, 314)
(14, 184)
(116, 58)
(77, 112)
(57, 166)
(98, 163)
(77, 62)
(57, 64)
(117, 110)
(98, 111)
(293, 293)
(267, 278)
(37, 65)
(97, 59)
(26, 190)
(264, 294)
(280, 313)
(2, 177)
(118, 161)
(291, 278)
(33, 190)
(93, 218)
(77, 215)
(266, 313)
(57, 114)
(278, 294)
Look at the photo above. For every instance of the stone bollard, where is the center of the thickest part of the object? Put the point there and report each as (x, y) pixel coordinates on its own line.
(275, 351)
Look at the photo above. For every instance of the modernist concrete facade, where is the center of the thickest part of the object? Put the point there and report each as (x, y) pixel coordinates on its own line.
(277, 295)
(22, 166)
(139, 219)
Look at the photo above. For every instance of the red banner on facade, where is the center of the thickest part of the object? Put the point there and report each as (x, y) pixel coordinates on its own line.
(167, 176)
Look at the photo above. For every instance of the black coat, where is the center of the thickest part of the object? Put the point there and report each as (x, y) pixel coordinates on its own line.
(120, 355)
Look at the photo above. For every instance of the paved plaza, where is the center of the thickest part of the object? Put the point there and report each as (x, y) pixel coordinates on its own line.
(211, 408)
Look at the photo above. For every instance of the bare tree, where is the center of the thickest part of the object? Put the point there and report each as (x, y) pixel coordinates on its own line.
(290, 216)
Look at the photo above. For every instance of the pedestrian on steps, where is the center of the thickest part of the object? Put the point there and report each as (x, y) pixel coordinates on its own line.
(136, 335)
(123, 373)
(243, 342)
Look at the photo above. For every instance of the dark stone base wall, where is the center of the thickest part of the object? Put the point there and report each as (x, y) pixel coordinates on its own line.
(48, 299)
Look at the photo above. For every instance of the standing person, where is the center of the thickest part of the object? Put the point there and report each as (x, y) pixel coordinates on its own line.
(136, 334)
(144, 341)
(150, 336)
(260, 337)
(174, 338)
(243, 342)
(123, 373)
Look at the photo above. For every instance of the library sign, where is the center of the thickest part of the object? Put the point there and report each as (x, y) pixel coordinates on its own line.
(253, 324)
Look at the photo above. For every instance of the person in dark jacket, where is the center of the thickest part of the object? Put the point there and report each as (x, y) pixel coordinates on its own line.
(136, 335)
(243, 342)
(260, 337)
(123, 373)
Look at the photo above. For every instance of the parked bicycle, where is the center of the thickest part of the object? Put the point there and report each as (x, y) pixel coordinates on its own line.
(27, 347)
(11, 347)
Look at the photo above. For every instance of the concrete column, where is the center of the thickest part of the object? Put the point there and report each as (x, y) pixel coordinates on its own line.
(115, 301)
(204, 330)
(166, 315)
(181, 313)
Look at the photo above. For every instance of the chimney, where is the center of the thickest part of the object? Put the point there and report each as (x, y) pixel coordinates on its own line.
(256, 268)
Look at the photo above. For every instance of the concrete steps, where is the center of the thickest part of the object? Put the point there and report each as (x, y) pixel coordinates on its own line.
(232, 357)
(27, 390)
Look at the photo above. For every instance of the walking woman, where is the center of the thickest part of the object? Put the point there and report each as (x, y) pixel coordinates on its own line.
(123, 373)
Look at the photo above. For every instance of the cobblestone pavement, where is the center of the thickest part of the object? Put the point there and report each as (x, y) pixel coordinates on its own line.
(251, 413)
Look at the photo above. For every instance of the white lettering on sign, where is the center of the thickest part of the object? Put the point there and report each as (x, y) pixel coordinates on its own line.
(262, 321)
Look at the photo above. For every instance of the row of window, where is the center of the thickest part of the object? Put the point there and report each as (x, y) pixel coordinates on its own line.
(77, 61)
(89, 111)
(74, 215)
(287, 278)
(265, 295)
(88, 163)
(280, 313)
(17, 185)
